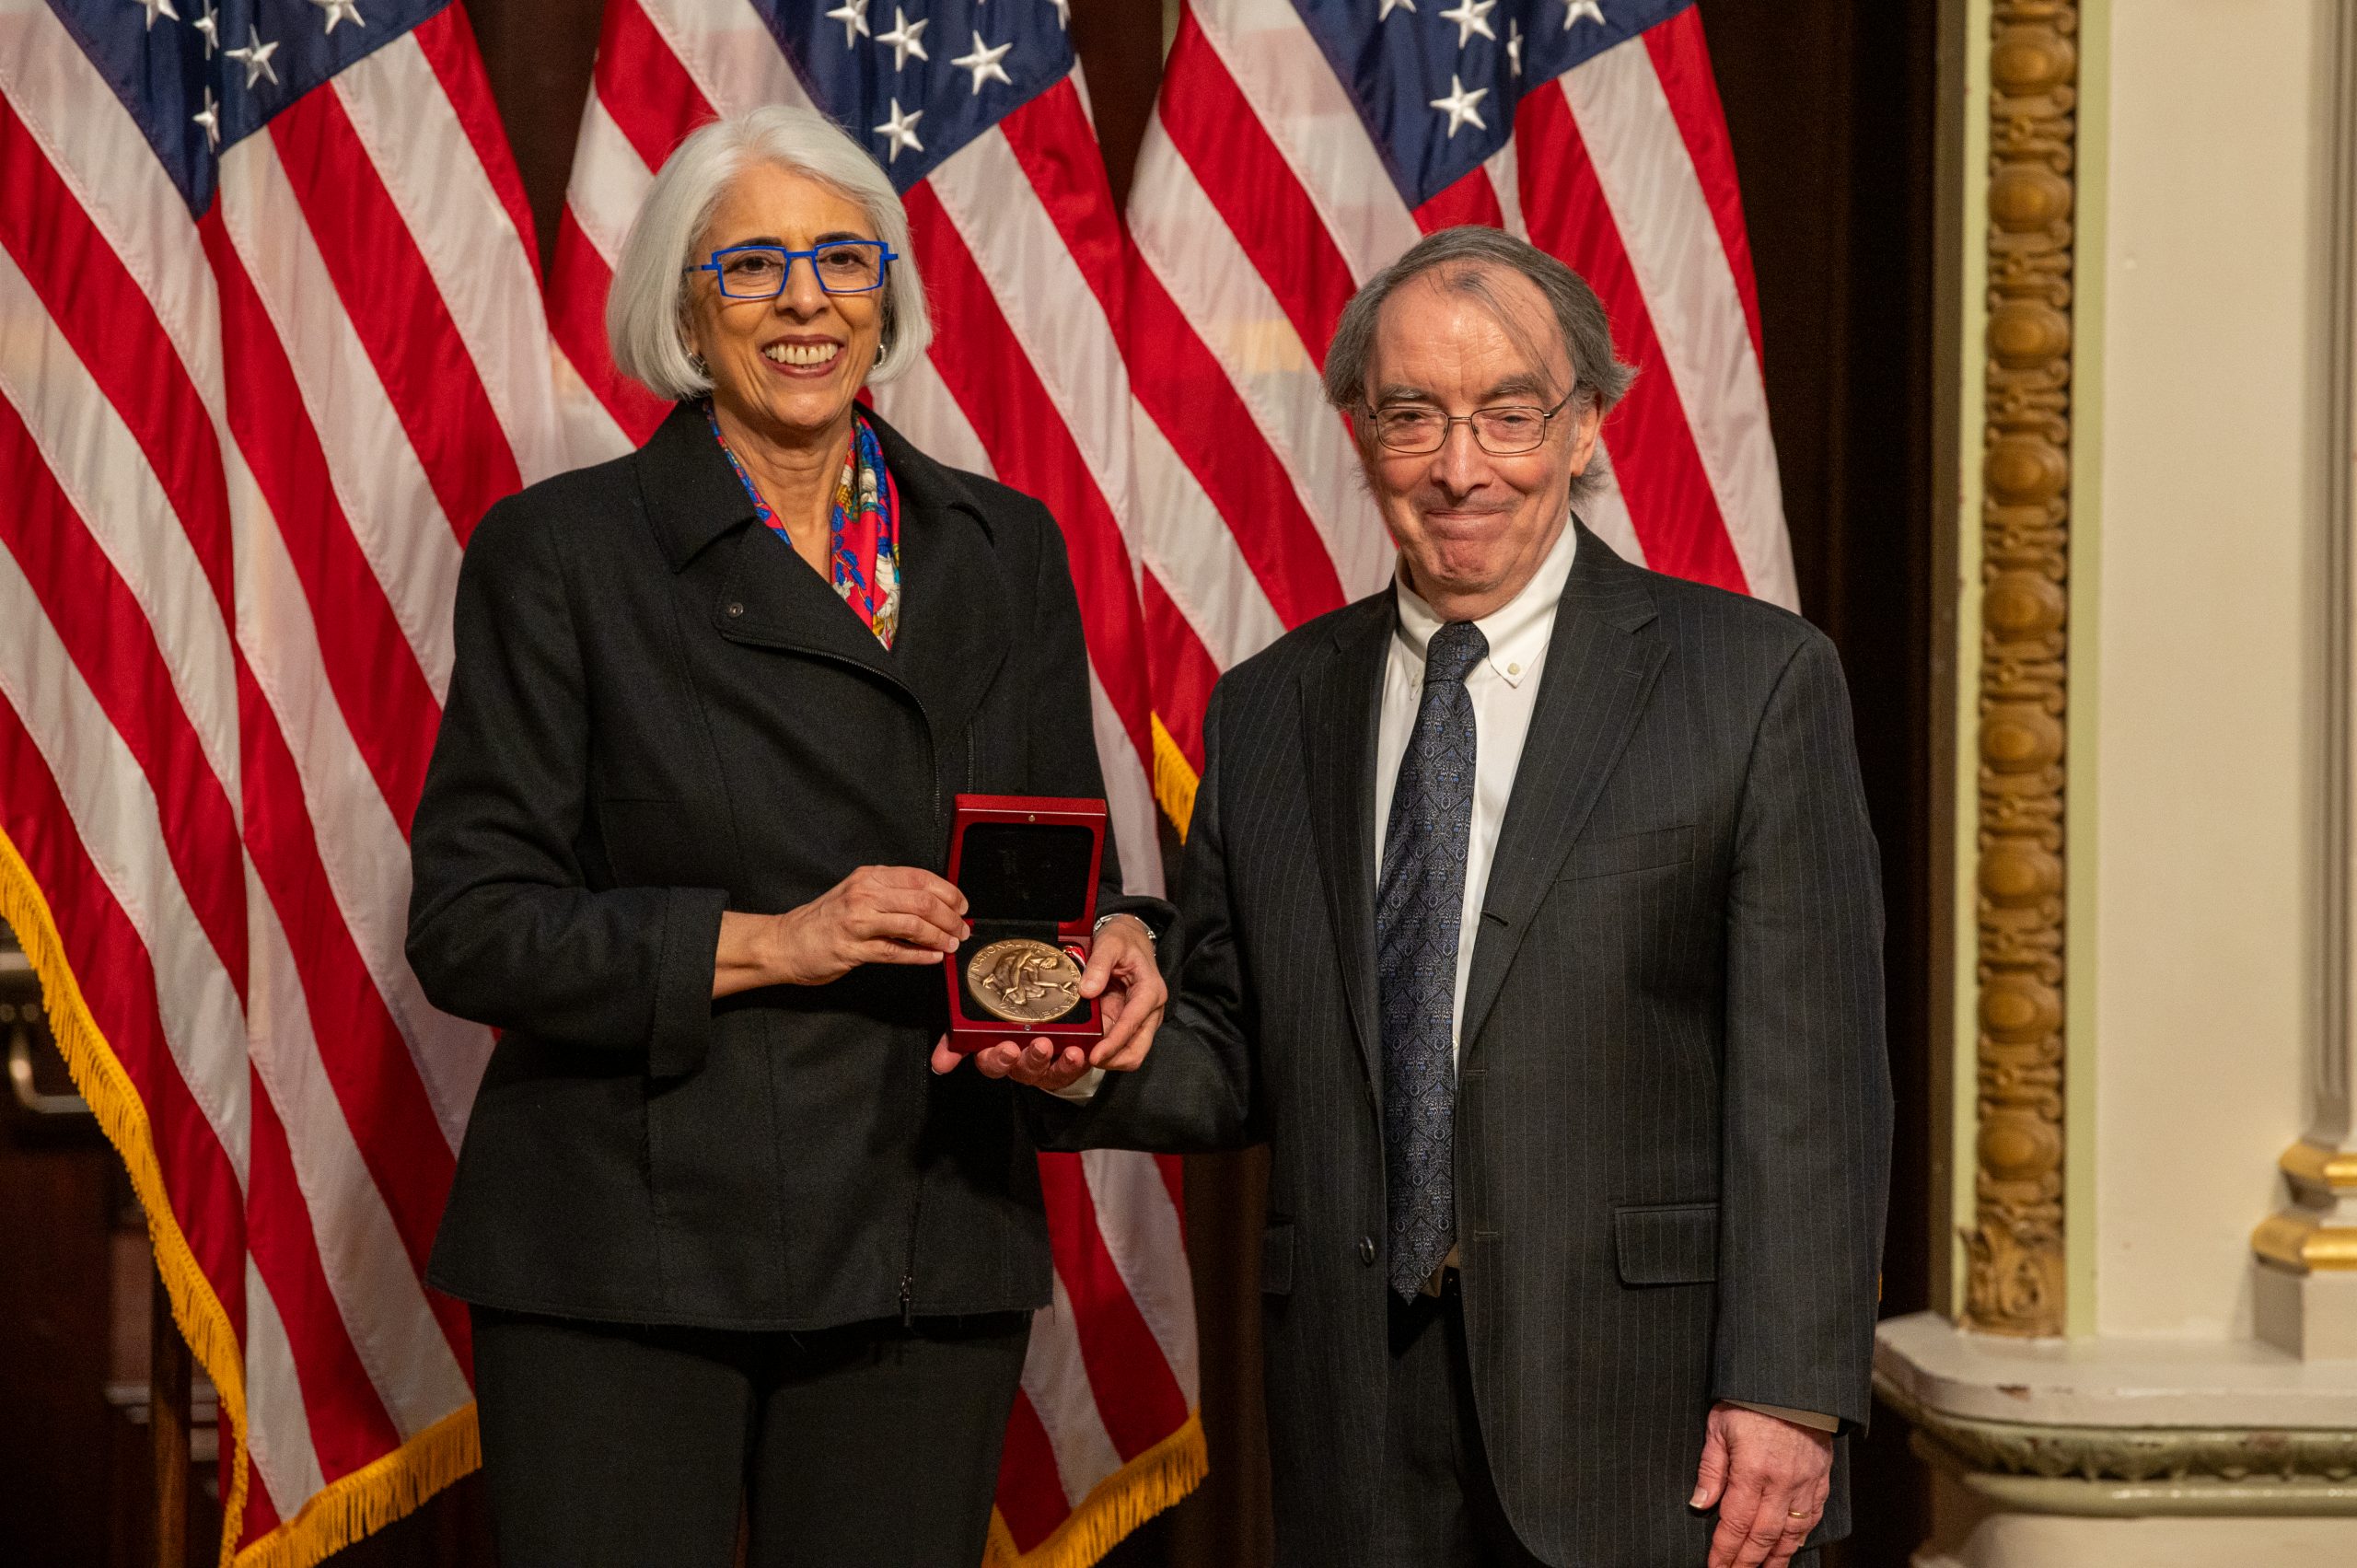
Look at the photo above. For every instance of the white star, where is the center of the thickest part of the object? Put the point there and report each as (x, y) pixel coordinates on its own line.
(1064, 13)
(852, 14)
(1574, 9)
(1513, 45)
(341, 11)
(904, 39)
(255, 58)
(210, 118)
(209, 24)
(1459, 105)
(1471, 16)
(1391, 5)
(156, 8)
(984, 63)
(902, 130)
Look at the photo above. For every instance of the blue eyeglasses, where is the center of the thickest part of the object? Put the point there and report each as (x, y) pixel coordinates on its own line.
(759, 272)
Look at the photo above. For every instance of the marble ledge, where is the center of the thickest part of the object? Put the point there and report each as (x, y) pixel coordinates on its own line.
(2109, 1382)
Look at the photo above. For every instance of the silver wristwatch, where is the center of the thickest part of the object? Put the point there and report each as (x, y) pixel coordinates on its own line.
(1097, 929)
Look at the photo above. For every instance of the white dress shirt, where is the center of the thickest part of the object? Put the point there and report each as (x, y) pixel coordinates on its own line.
(1505, 688)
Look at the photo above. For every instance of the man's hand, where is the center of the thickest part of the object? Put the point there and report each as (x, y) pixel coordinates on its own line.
(1769, 1479)
(1122, 970)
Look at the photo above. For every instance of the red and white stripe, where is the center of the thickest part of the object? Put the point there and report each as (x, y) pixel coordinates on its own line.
(1026, 382)
(1260, 204)
(237, 504)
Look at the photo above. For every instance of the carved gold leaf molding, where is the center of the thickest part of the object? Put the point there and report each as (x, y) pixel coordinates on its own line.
(2016, 1280)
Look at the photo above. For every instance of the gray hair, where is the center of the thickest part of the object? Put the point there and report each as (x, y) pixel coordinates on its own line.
(1460, 259)
(646, 306)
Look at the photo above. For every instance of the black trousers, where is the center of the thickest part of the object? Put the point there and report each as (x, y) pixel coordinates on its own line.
(635, 1447)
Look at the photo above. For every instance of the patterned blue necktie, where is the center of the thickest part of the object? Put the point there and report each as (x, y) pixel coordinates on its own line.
(1418, 908)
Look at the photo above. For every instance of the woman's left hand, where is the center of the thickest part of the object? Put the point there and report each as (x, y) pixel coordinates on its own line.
(1122, 970)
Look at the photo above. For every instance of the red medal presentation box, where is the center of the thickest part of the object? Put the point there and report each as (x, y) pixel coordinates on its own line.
(1028, 865)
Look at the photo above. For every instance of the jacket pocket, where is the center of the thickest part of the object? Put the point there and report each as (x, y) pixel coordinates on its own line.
(1630, 852)
(1666, 1244)
(1276, 1258)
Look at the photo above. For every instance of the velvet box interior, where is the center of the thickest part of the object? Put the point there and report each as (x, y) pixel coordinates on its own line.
(1028, 865)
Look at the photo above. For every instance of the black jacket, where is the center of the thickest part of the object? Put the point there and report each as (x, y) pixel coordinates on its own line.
(659, 712)
(1672, 1106)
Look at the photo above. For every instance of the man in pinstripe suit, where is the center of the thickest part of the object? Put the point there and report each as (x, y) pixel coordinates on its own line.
(1530, 915)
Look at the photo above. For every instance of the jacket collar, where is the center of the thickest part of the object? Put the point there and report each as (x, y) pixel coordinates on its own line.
(956, 624)
(1601, 664)
(691, 494)
(1340, 696)
(693, 497)
(955, 620)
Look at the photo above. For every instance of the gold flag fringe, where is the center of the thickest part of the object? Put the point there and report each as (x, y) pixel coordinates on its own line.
(393, 1485)
(374, 1495)
(122, 1116)
(1154, 1480)
(1174, 779)
(371, 1497)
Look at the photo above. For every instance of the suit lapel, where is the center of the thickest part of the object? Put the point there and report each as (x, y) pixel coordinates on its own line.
(953, 634)
(1601, 663)
(772, 598)
(1340, 701)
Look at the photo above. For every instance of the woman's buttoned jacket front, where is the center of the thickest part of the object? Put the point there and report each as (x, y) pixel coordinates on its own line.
(659, 712)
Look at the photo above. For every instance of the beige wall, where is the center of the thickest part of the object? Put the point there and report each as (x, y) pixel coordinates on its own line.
(2202, 712)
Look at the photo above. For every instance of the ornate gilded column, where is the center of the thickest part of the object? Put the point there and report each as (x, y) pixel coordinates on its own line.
(2130, 164)
(2015, 1284)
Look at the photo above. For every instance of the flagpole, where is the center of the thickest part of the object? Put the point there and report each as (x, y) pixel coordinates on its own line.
(168, 1377)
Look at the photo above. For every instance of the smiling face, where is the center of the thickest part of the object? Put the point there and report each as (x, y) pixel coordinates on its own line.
(1472, 528)
(786, 368)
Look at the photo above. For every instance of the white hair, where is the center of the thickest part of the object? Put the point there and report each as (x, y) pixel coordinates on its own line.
(646, 306)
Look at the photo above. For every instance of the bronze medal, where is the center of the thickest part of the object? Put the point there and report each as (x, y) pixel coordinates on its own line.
(1024, 981)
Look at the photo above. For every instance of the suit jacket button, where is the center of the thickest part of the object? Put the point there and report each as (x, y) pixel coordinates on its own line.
(1366, 1250)
(735, 609)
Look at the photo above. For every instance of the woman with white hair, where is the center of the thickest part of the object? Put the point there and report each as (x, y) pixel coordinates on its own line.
(728, 1242)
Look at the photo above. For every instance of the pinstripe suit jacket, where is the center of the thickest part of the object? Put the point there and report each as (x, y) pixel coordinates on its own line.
(1673, 1108)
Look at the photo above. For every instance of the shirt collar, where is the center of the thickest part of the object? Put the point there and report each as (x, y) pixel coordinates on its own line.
(1517, 630)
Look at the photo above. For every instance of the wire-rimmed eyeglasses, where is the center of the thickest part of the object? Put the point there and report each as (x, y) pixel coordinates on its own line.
(1508, 430)
(759, 272)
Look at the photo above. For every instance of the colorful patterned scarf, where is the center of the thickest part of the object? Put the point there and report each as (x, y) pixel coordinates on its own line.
(863, 527)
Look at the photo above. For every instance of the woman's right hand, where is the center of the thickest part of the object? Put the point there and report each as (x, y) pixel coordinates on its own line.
(878, 914)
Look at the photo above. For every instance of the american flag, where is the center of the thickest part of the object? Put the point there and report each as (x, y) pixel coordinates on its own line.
(1300, 145)
(271, 339)
(977, 113)
(269, 343)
